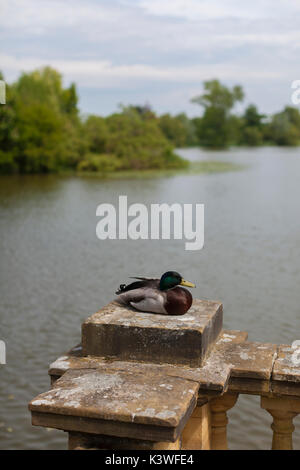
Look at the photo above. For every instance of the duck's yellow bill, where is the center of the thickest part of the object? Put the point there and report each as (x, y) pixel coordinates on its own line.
(187, 283)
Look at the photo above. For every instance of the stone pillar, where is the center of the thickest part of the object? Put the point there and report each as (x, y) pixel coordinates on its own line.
(283, 411)
(135, 382)
(197, 432)
(219, 406)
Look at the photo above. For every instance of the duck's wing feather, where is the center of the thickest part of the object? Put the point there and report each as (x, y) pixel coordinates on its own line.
(144, 282)
(145, 299)
(145, 278)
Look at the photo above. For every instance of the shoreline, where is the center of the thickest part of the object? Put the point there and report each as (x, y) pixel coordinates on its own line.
(201, 167)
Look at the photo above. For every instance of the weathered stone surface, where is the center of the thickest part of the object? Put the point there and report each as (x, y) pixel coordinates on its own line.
(226, 336)
(286, 372)
(232, 336)
(115, 402)
(278, 387)
(213, 376)
(285, 366)
(120, 332)
(250, 359)
(249, 386)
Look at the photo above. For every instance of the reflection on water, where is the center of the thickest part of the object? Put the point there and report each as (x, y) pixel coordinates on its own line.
(55, 272)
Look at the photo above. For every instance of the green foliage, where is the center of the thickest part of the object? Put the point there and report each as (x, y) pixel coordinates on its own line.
(95, 133)
(252, 127)
(99, 162)
(39, 125)
(138, 142)
(219, 96)
(173, 129)
(41, 130)
(284, 128)
(179, 130)
(252, 117)
(215, 129)
(252, 136)
(129, 140)
(8, 134)
(191, 138)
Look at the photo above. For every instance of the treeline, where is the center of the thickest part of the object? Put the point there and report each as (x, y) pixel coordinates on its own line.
(41, 129)
(219, 128)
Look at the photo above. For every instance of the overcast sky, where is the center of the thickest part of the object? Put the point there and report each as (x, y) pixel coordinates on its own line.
(156, 51)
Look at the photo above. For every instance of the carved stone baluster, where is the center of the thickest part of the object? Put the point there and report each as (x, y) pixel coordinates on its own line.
(219, 406)
(283, 411)
(197, 432)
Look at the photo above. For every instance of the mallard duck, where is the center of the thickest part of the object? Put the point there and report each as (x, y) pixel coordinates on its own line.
(162, 295)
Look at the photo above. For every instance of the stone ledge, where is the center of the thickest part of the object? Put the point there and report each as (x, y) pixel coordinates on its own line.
(284, 368)
(212, 377)
(247, 386)
(115, 402)
(105, 427)
(122, 333)
(251, 360)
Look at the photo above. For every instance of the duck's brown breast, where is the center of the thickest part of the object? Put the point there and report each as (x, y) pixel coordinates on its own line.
(178, 301)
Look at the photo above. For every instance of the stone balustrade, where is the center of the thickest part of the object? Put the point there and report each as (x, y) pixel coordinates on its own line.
(145, 381)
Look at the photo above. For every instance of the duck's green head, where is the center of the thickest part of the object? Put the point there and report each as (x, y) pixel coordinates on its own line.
(171, 279)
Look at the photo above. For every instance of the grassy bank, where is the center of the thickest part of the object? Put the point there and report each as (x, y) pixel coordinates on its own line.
(203, 167)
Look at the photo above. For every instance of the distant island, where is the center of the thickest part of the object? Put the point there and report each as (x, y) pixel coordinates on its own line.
(42, 130)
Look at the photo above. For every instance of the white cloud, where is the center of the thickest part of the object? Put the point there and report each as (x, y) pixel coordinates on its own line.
(103, 74)
(142, 44)
(37, 16)
(194, 10)
(124, 21)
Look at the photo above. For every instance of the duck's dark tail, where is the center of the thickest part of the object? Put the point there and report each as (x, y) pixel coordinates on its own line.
(121, 289)
(135, 285)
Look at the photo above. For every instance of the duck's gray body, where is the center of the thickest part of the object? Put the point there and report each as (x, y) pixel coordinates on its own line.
(145, 295)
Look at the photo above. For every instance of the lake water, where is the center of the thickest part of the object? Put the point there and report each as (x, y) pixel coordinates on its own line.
(55, 272)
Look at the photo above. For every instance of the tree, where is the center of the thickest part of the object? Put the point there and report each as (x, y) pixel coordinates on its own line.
(252, 117)
(7, 132)
(43, 131)
(173, 129)
(215, 128)
(96, 133)
(219, 96)
(139, 143)
(284, 128)
(252, 131)
(191, 138)
(179, 129)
